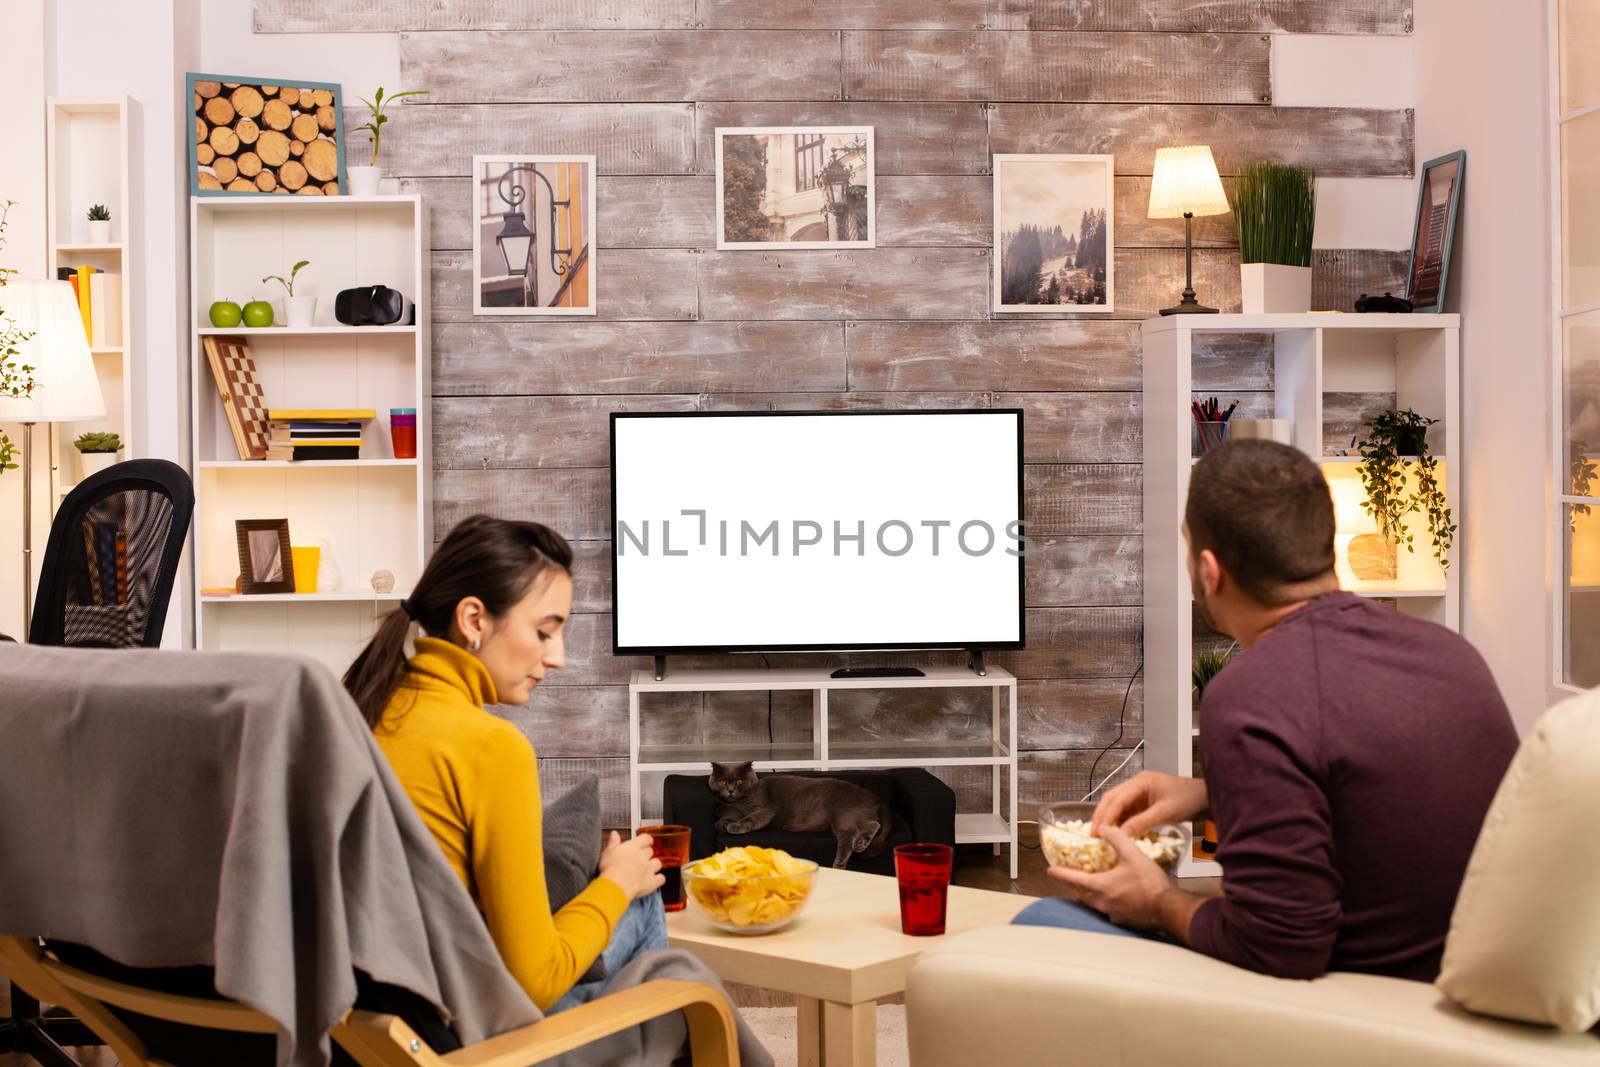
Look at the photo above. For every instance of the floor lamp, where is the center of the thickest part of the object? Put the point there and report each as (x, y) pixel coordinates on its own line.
(66, 387)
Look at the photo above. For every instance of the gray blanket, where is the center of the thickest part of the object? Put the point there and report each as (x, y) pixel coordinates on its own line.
(179, 808)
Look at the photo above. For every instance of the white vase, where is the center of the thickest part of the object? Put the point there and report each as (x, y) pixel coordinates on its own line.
(95, 462)
(302, 309)
(99, 231)
(329, 577)
(362, 181)
(1274, 289)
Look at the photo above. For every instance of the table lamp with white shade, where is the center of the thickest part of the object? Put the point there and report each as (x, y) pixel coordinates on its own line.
(66, 388)
(1186, 184)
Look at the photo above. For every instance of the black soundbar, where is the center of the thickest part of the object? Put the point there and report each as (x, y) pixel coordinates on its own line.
(876, 672)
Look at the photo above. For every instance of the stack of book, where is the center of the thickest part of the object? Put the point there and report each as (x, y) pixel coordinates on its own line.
(302, 434)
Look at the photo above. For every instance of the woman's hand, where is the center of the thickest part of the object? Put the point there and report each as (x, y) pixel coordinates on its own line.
(632, 865)
(1149, 799)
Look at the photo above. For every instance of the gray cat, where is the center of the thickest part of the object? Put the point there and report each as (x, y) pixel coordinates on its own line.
(859, 821)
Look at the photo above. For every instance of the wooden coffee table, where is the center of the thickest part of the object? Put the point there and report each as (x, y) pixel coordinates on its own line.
(840, 957)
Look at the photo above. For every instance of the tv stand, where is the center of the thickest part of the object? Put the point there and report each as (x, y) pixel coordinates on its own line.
(688, 752)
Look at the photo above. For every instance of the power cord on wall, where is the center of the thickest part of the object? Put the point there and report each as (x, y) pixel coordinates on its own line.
(768, 666)
(1122, 719)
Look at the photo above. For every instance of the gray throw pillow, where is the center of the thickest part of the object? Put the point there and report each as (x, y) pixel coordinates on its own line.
(572, 849)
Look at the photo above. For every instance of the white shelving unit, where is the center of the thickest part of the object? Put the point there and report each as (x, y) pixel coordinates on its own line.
(86, 163)
(998, 751)
(374, 511)
(1416, 357)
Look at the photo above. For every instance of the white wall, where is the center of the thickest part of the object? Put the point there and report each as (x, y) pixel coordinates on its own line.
(1481, 74)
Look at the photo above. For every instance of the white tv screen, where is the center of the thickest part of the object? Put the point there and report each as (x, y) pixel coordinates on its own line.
(792, 531)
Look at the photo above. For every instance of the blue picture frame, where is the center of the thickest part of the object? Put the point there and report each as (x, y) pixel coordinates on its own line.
(1433, 238)
(192, 78)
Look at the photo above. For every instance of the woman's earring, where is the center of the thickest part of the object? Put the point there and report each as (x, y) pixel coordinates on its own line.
(474, 645)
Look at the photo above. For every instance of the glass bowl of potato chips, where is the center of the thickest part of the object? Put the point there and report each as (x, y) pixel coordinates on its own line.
(750, 889)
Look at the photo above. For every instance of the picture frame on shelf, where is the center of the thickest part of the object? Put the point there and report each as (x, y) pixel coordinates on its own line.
(796, 187)
(1433, 237)
(265, 136)
(266, 562)
(533, 239)
(1054, 233)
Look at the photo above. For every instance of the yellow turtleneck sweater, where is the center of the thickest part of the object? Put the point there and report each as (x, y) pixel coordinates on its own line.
(473, 778)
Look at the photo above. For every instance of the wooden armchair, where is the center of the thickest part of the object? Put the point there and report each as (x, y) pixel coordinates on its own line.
(372, 1040)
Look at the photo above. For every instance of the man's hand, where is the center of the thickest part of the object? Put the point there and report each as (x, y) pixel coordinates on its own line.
(1136, 893)
(1149, 799)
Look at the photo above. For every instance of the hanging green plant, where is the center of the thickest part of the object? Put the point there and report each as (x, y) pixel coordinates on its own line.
(1395, 440)
(16, 378)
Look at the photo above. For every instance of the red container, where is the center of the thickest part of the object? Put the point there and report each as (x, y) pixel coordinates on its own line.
(671, 847)
(403, 432)
(924, 875)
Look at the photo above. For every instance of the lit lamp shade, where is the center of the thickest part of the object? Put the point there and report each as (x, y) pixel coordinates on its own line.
(1186, 183)
(67, 389)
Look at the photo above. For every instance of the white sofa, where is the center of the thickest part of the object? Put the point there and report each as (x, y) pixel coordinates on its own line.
(1524, 943)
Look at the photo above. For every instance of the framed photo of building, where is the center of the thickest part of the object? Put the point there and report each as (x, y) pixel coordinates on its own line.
(533, 235)
(796, 187)
(1053, 233)
(1434, 239)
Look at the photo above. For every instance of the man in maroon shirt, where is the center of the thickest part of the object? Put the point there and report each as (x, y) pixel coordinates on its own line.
(1350, 752)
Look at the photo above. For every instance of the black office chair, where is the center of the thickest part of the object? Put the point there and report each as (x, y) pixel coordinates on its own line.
(107, 579)
(112, 557)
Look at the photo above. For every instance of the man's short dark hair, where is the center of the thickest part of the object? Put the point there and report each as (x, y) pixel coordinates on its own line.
(1263, 509)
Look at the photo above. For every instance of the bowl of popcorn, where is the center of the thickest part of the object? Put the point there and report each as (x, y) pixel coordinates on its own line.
(750, 889)
(1065, 838)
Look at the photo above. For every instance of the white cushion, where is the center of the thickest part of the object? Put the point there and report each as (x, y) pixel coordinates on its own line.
(1524, 941)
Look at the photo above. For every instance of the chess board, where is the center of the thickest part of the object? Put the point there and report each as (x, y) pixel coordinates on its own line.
(234, 371)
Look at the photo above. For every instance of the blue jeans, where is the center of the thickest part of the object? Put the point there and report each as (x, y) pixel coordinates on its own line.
(1070, 915)
(642, 927)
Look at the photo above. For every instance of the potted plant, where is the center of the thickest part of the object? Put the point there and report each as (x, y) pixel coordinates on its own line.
(99, 225)
(301, 309)
(1397, 442)
(1207, 665)
(364, 180)
(1275, 211)
(97, 451)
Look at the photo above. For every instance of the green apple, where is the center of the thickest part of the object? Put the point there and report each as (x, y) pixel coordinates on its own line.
(225, 314)
(257, 313)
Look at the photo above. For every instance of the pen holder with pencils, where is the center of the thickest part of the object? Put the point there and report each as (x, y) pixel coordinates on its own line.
(1210, 434)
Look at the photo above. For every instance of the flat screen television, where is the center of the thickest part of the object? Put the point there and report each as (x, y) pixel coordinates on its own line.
(792, 531)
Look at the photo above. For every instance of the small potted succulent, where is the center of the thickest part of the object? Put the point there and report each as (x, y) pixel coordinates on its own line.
(301, 309)
(99, 225)
(1275, 211)
(364, 180)
(97, 451)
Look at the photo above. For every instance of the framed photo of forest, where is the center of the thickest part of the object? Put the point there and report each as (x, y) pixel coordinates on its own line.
(1053, 233)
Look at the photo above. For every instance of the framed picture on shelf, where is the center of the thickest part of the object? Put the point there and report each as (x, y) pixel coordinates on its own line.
(266, 563)
(1053, 230)
(533, 244)
(796, 187)
(265, 136)
(1434, 238)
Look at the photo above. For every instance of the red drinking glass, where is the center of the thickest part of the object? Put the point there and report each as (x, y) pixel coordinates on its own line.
(924, 875)
(671, 847)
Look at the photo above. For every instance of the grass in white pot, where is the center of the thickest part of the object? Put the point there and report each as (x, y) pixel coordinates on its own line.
(1275, 211)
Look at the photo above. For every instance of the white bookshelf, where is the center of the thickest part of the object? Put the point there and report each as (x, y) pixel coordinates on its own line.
(998, 751)
(375, 510)
(1416, 357)
(86, 163)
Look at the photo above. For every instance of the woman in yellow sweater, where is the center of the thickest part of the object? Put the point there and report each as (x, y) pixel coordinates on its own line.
(493, 604)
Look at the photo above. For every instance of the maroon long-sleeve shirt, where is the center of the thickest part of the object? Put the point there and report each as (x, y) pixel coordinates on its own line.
(1350, 756)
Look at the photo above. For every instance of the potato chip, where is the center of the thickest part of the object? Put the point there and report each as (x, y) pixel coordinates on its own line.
(750, 886)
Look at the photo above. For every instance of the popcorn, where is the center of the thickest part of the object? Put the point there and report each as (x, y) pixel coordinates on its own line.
(1069, 844)
(750, 886)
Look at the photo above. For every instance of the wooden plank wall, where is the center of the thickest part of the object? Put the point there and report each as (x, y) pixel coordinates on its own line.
(520, 406)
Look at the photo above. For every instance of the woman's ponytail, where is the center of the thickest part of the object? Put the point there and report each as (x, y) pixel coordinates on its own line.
(376, 673)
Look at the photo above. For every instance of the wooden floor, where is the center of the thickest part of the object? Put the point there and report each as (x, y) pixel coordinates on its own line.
(977, 867)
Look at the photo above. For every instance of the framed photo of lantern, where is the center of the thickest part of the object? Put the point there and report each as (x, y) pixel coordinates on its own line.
(265, 136)
(533, 235)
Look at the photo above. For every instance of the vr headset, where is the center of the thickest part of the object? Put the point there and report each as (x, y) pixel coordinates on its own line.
(374, 305)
